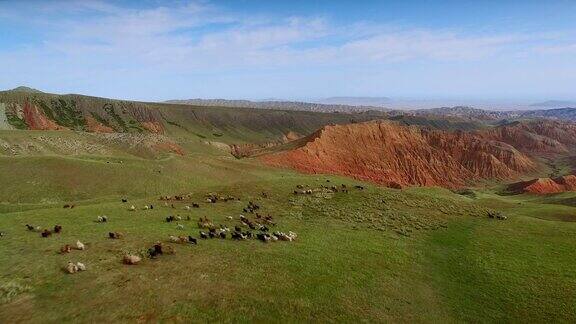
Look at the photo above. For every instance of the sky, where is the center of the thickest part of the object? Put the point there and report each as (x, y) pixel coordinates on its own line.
(296, 50)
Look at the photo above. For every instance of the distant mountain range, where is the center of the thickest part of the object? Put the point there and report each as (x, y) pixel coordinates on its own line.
(554, 104)
(356, 101)
(273, 104)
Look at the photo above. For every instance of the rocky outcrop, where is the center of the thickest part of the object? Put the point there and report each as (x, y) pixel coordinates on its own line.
(543, 186)
(388, 153)
(37, 120)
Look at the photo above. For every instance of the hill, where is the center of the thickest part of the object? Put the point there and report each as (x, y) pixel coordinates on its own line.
(545, 185)
(387, 153)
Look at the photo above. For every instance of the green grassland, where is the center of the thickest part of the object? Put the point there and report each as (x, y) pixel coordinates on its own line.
(373, 255)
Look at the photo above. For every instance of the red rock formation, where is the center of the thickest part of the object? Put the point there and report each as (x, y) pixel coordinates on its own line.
(36, 120)
(387, 153)
(536, 137)
(545, 185)
(96, 127)
(153, 127)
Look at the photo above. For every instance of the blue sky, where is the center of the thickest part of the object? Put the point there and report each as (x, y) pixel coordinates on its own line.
(158, 50)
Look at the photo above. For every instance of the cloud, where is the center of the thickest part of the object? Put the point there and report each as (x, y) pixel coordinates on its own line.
(82, 42)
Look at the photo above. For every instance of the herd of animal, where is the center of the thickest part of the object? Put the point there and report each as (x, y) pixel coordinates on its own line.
(256, 228)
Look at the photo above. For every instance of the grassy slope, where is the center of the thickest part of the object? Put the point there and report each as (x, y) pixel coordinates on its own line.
(350, 262)
(418, 255)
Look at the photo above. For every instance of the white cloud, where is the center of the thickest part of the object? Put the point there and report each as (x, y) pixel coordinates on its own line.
(89, 41)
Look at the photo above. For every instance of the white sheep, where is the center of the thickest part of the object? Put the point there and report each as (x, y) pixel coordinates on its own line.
(174, 239)
(80, 245)
(132, 208)
(180, 226)
(80, 266)
(71, 267)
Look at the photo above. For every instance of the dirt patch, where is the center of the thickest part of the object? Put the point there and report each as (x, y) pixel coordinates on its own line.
(96, 127)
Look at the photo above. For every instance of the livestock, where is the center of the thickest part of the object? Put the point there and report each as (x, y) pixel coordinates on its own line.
(263, 237)
(71, 268)
(203, 235)
(102, 219)
(222, 235)
(2, 234)
(359, 187)
(132, 208)
(81, 266)
(195, 205)
(180, 226)
(124, 200)
(65, 249)
(46, 233)
(33, 228)
(192, 240)
(229, 217)
(57, 229)
(170, 219)
(130, 259)
(115, 235)
(80, 245)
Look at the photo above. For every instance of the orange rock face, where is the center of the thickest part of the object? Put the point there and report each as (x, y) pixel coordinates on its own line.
(387, 153)
(96, 127)
(36, 120)
(545, 185)
(153, 127)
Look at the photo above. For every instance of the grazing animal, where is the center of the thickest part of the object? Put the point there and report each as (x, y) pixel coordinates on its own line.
(170, 219)
(186, 207)
(115, 235)
(222, 235)
(173, 239)
(124, 200)
(180, 226)
(80, 266)
(192, 240)
(359, 187)
(46, 233)
(237, 228)
(57, 229)
(146, 207)
(229, 217)
(203, 235)
(263, 237)
(130, 259)
(71, 268)
(151, 206)
(132, 208)
(80, 245)
(30, 227)
(65, 249)
(66, 206)
(2, 234)
(309, 192)
(195, 205)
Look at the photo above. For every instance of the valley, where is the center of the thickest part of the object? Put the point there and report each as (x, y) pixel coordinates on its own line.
(391, 214)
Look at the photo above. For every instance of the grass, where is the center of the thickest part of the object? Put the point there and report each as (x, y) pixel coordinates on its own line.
(373, 255)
